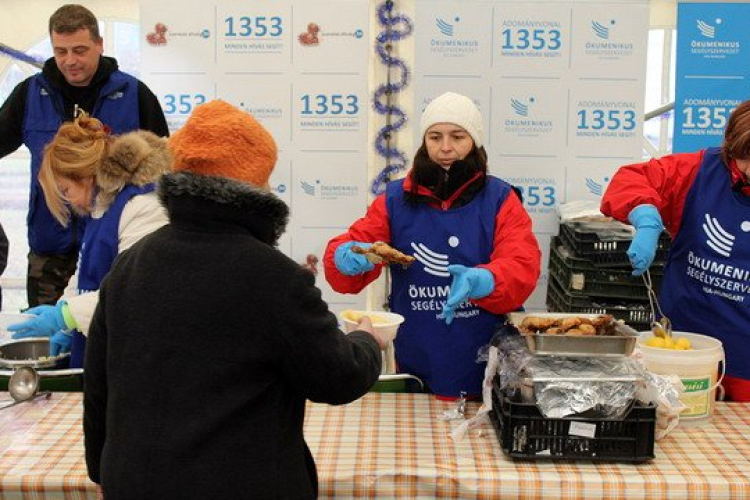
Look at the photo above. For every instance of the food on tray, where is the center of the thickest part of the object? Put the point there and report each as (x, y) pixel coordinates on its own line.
(383, 252)
(569, 325)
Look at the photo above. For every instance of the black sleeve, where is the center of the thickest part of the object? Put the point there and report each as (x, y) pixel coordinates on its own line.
(3, 250)
(95, 389)
(149, 109)
(11, 119)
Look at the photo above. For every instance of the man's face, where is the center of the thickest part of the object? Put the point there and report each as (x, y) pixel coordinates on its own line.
(77, 56)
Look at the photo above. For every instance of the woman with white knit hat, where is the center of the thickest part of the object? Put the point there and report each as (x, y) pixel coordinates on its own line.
(476, 256)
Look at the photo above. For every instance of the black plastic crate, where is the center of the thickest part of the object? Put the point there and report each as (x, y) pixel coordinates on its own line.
(581, 276)
(636, 314)
(525, 433)
(604, 248)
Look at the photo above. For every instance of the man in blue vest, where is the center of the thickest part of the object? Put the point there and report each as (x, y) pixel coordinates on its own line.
(77, 77)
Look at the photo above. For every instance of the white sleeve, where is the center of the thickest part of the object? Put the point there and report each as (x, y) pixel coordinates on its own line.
(142, 215)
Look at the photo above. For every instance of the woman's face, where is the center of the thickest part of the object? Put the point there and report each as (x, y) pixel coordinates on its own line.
(744, 166)
(447, 143)
(78, 193)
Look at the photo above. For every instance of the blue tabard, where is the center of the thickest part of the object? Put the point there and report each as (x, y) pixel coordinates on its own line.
(117, 107)
(707, 278)
(98, 252)
(444, 356)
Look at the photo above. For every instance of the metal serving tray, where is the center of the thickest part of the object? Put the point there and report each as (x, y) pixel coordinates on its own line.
(621, 343)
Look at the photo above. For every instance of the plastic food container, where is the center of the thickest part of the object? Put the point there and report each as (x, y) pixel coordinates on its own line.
(383, 322)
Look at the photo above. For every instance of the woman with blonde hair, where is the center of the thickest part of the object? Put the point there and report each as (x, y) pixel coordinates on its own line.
(111, 179)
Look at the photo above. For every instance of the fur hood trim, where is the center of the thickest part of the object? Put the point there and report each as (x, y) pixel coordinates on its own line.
(241, 197)
(136, 158)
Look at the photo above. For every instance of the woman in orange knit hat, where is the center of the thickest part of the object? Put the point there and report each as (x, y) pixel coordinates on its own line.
(237, 332)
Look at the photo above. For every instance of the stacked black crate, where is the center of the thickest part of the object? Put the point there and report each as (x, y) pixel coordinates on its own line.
(589, 273)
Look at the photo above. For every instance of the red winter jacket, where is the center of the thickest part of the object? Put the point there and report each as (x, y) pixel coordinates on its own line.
(515, 261)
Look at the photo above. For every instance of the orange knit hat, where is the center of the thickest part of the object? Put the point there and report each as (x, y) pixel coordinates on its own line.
(221, 140)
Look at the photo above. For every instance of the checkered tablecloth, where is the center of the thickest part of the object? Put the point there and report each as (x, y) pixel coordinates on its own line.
(398, 446)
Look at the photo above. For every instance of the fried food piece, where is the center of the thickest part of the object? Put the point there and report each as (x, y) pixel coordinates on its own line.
(568, 323)
(534, 324)
(602, 320)
(383, 252)
(582, 330)
(554, 330)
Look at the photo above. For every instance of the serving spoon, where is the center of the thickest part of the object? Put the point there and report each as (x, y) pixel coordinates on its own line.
(23, 386)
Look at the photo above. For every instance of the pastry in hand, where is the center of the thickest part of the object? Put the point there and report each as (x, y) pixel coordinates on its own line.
(383, 252)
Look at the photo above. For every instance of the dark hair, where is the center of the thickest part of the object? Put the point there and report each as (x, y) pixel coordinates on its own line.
(737, 134)
(73, 17)
(424, 170)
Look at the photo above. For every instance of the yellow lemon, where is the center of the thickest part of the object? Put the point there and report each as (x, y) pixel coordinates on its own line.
(655, 342)
(682, 343)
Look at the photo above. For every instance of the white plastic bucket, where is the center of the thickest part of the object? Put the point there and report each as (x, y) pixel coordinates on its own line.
(698, 368)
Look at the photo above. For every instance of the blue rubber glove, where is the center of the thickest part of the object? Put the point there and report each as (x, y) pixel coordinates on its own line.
(60, 342)
(48, 320)
(468, 283)
(648, 228)
(350, 263)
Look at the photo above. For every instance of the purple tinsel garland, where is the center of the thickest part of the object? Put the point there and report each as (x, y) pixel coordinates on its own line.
(395, 158)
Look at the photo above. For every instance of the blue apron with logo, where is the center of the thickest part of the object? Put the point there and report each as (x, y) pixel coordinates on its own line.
(444, 356)
(707, 278)
(98, 252)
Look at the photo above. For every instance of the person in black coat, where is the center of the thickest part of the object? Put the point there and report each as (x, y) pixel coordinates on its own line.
(207, 340)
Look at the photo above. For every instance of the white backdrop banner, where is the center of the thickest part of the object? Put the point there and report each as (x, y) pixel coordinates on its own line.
(560, 85)
(301, 68)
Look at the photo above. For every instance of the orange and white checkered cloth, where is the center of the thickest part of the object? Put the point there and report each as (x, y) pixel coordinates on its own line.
(398, 446)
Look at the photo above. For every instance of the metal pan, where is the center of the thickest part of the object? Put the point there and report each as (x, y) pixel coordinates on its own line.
(621, 343)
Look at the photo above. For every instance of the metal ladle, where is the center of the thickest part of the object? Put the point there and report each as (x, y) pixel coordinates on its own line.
(663, 327)
(23, 386)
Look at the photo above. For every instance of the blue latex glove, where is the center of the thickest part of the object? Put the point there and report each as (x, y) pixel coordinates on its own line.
(350, 263)
(60, 342)
(648, 228)
(48, 320)
(468, 283)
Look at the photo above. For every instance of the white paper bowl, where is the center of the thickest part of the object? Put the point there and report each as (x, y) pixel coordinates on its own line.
(385, 323)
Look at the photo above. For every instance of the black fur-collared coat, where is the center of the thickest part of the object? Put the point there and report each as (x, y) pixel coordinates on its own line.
(204, 348)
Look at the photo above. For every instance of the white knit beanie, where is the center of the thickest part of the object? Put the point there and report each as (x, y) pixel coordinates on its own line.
(457, 109)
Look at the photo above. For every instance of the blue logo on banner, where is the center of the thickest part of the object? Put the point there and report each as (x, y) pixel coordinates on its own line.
(519, 107)
(308, 188)
(444, 27)
(600, 30)
(594, 187)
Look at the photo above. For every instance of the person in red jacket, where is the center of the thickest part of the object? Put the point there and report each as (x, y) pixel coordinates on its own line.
(476, 255)
(703, 200)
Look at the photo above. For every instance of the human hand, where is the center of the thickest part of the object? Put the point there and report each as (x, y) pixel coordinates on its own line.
(648, 227)
(350, 263)
(48, 319)
(468, 283)
(60, 342)
(365, 324)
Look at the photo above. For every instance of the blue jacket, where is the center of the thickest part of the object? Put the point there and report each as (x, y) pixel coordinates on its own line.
(117, 107)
